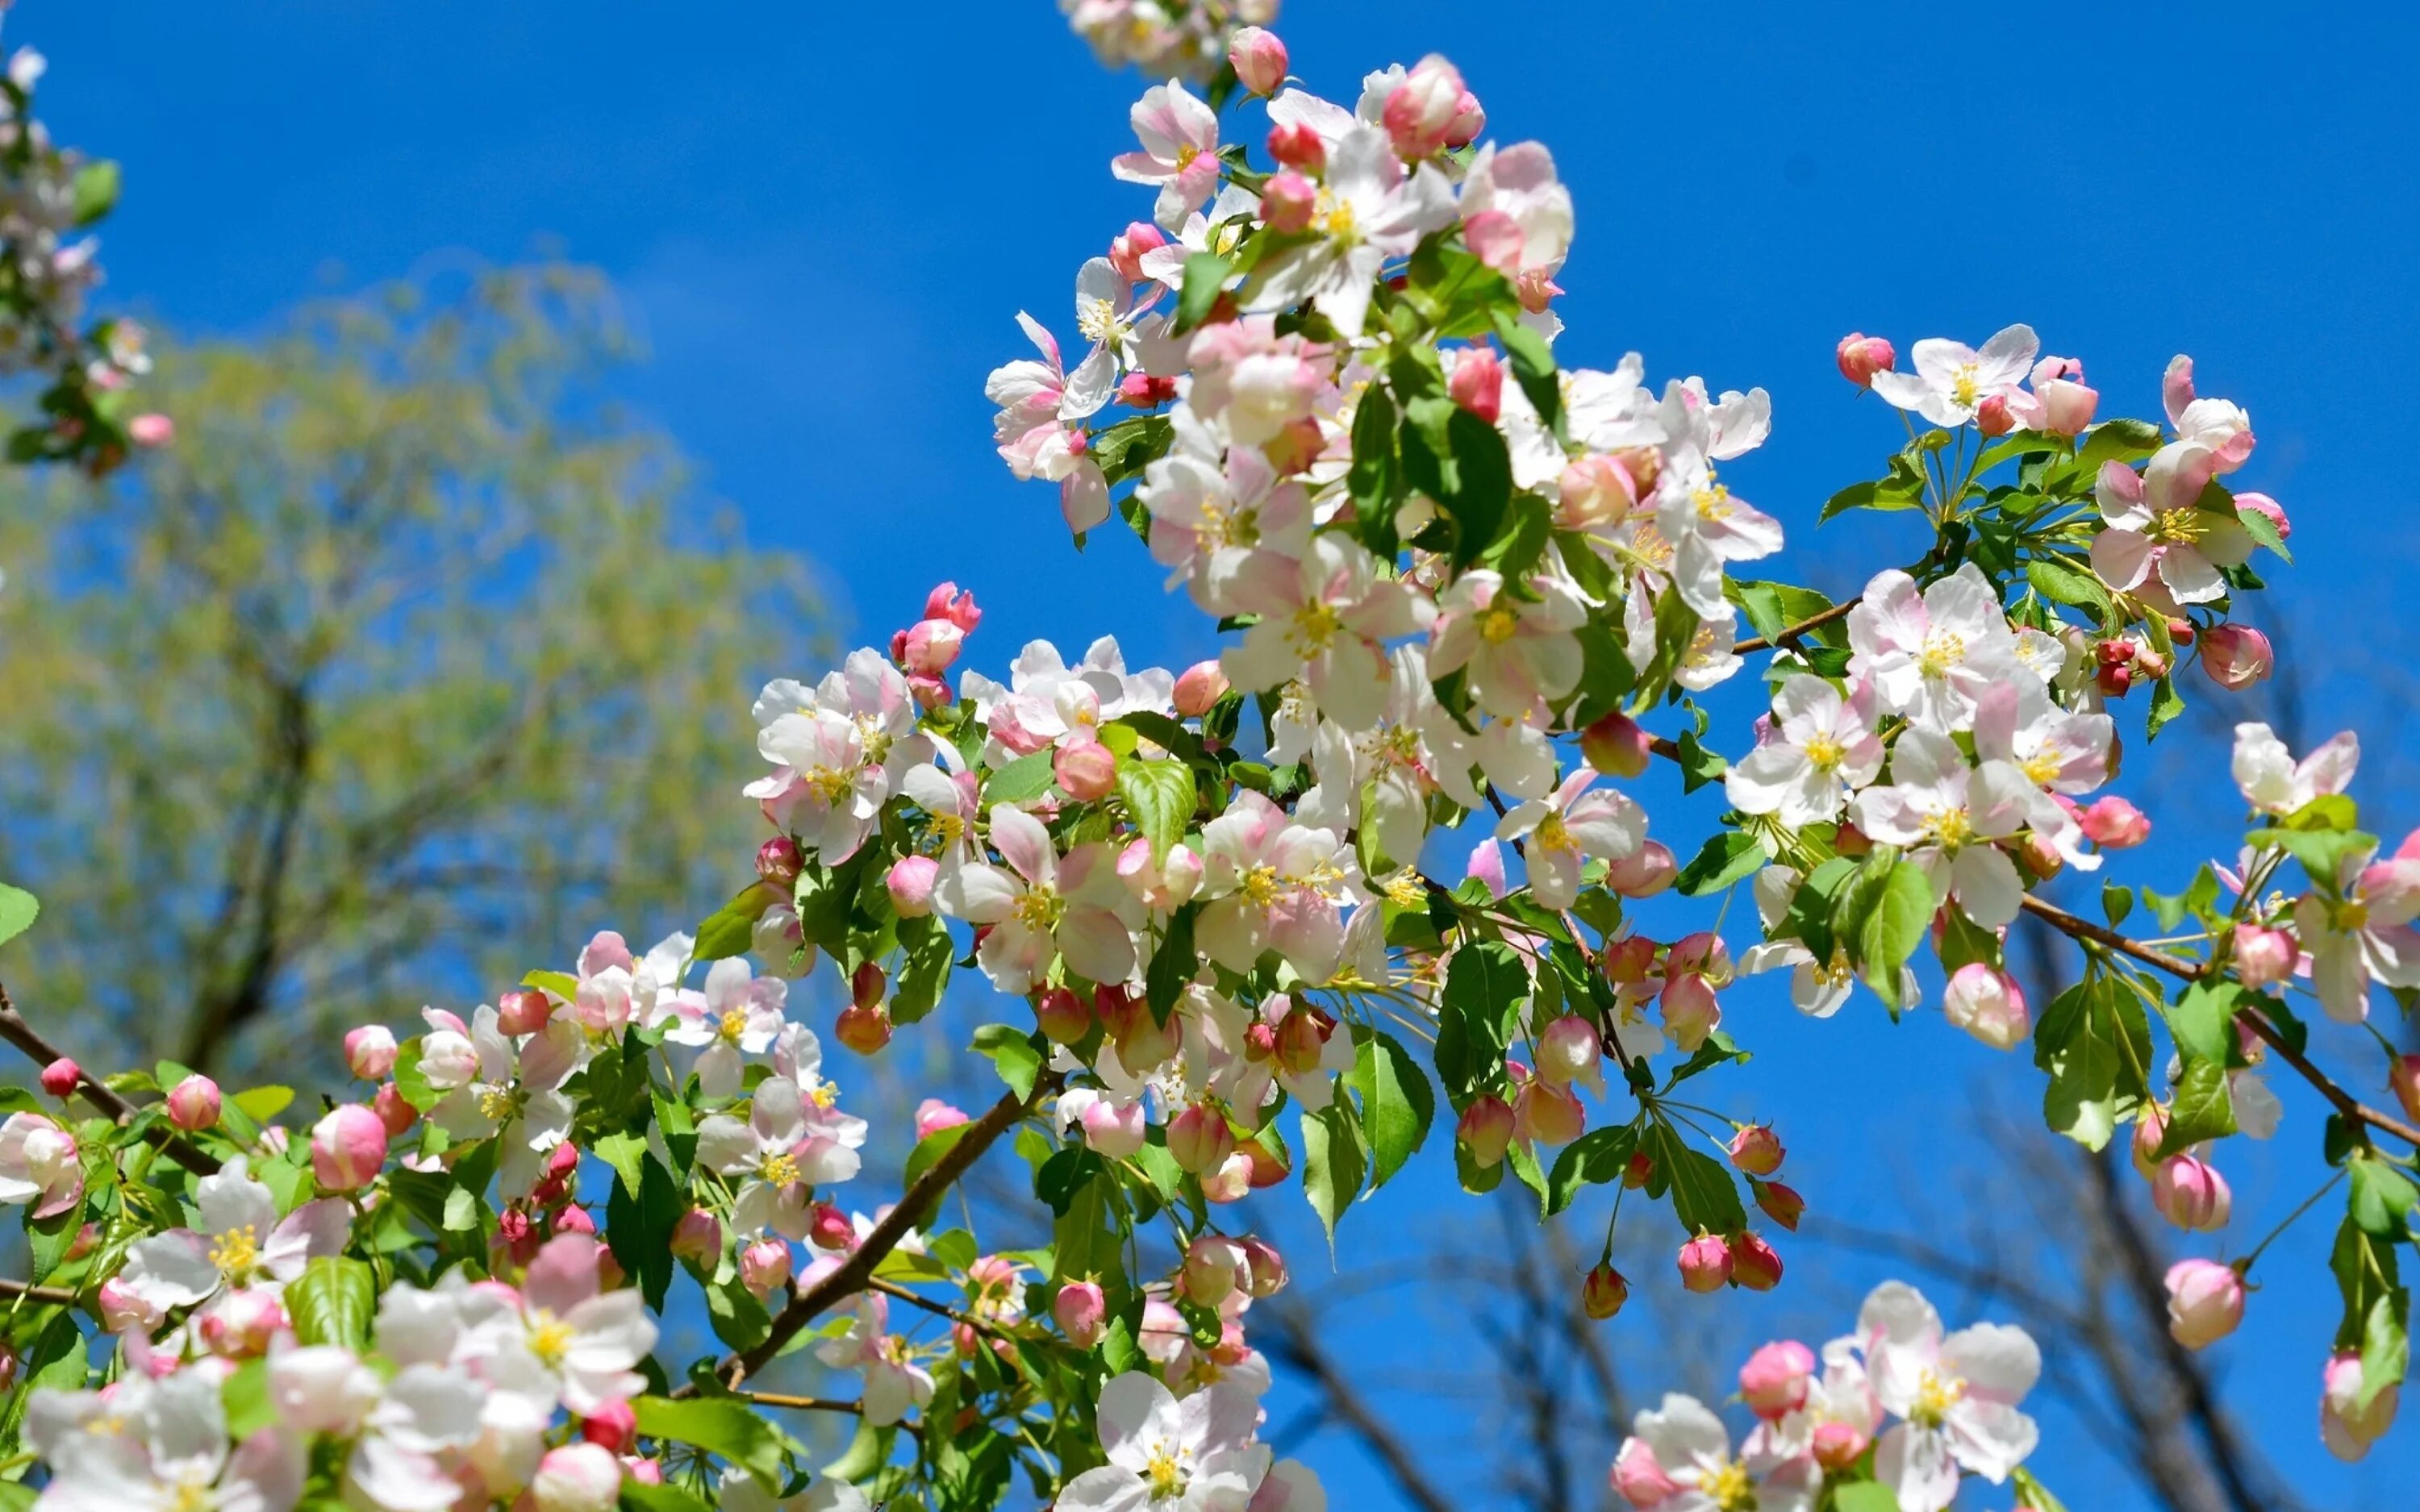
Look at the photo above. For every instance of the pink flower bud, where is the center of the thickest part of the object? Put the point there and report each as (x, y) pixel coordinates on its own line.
(2113, 824)
(765, 1267)
(1086, 772)
(1705, 1263)
(2345, 1428)
(1639, 1478)
(151, 430)
(1232, 1180)
(1259, 59)
(2261, 503)
(523, 1011)
(1083, 1313)
(1485, 1130)
(2066, 407)
(1783, 1204)
(577, 1477)
(1265, 1268)
(1125, 255)
(2205, 1302)
(1569, 1049)
(933, 1116)
(614, 1426)
(910, 882)
(1603, 1292)
(1993, 417)
(61, 1077)
(697, 1238)
(1198, 1138)
(945, 602)
(1496, 241)
(1288, 201)
(1199, 689)
(778, 861)
(1477, 383)
(2150, 1129)
(1469, 120)
(2237, 655)
(123, 1312)
(1861, 357)
(1838, 1445)
(1616, 745)
(829, 1229)
(1421, 112)
(2191, 1194)
(370, 1051)
(1210, 1270)
(1644, 871)
(395, 1113)
(1596, 491)
(1755, 1150)
(349, 1147)
(862, 1028)
(1987, 1004)
(1548, 1115)
(1773, 1380)
(2265, 956)
(1145, 390)
(193, 1104)
(1143, 1042)
(778, 940)
(1689, 1010)
(1302, 1041)
(1063, 1017)
(1113, 1129)
(1755, 1265)
(1298, 146)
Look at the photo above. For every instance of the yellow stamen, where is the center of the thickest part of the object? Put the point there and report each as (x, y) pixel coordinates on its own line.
(236, 1252)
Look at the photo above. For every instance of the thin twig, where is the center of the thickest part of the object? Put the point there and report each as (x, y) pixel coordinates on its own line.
(814, 1404)
(14, 1029)
(1813, 622)
(33, 1294)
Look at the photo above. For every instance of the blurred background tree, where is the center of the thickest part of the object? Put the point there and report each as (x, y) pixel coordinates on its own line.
(409, 662)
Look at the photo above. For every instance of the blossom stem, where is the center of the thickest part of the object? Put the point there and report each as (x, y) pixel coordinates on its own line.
(33, 1294)
(14, 1029)
(938, 1309)
(2325, 1187)
(1812, 622)
(814, 1404)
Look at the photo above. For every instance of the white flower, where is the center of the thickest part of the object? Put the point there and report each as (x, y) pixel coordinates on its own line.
(1930, 655)
(517, 1095)
(1951, 380)
(1369, 210)
(240, 1243)
(1708, 525)
(158, 1447)
(1947, 815)
(1042, 906)
(1519, 652)
(2155, 524)
(1823, 748)
(2275, 783)
(1196, 1455)
(825, 792)
(39, 1163)
(1272, 884)
(1570, 827)
(1957, 1396)
(589, 1339)
(1325, 618)
(739, 1017)
(895, 1384)
(782, 1156)
(1684, 1441)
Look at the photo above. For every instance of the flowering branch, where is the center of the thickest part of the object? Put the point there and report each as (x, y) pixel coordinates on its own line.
(14, 1029)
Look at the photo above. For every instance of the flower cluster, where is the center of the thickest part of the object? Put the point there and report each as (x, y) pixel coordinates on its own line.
(1186, 38)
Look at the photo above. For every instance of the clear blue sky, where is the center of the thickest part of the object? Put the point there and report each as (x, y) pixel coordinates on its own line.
(827, 216)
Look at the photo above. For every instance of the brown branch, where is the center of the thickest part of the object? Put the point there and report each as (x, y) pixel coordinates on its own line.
(33, 1294)
(1299, 1347)
(14, 1029)
(938, 1309)
(855, 1273)
(1813, 622)
(814, 1404)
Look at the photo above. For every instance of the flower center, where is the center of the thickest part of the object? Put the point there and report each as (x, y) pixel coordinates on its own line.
(1713, 500)
(498, 1103)
(1496, 626)
(1185, 153)
(1165, 1473)
(1039, 907)
(1826, 753)
(2041, 766)
(193, 1493)
(1315, 625)
(1949, 829)
(779, 1168)
(2182, 524)
(1335, 217)
(549, 1339)
(1943, 650)
(734, 1024)
(829, 782)
(2349, 915)
(1966, 387)
(1552, 834)
(823, 1094)
(1260, 886)
(1097, 319)
(1935, 1398)
(1727, 1485)
(236, 1252)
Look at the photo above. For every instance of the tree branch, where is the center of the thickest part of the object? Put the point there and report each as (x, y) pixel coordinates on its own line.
(14, 1029)
(1300, 1348)
(1813, 622)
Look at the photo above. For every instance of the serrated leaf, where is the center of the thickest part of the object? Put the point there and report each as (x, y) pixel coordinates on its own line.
(1160, 797)
(1012, 1053)
(332, 1302)
(2062, 582)
(732, 928)
(1485, 985)
(1397, 1103)
(1022, 780)
(1596, 1158)
(18, 911)
(1333, 1163)
(1726, 858)
(1704, 1197)
(1892, 930)
(721, 1426)
(2263, 531)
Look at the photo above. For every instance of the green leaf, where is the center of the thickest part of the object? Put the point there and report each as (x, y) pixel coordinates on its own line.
(2094, 1043)
(1728, 857)
(1333, 1162)
(1020, 781)
(1889, 494)
(1159, 796)
(925, 971)
(2116, 901)
(2203, 1021)
(1173, 965)
(2202, 1110)
(18, 911)
(731, 928)
(1205, 275)
(1484, 987)
(262, 1104)
(1125, 449)
(96, 191)
(2061, 582)
(1376, 479)
(1534, 367)
(721, 1426)
(1397, 1104)
(2381, 1199)
(2032, 1495)
(1704, 1197)
(1699, 766)
(1596, 1158)
(1893, 929)
(2263, 531)
(1013, 1054)
(332, 1302)
(623, 1151)
(2385, 1346)
(2322, 852)
(2167, 703)
(1863, 1496)
(639, 1228)
(639, 1496)
(49, 1239)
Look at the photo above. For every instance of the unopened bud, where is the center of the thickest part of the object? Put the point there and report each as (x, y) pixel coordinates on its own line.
(2264, 956)
(1199, 689)
(2205, 1302)
(910, 882)
(614, 1425)
(1644, 871)
(1774, 1382)
(370, 1051)
(1299, 148)
(61, 1077)
(1198, 1138)
(395, 1112)
(1477, 383)
(2190, 1193)
(2113, 824)
(1266, 1268)
(1127, 247)
(1548, 1115)
(2237, 655)
(1755, 1264)
(933, 1116)
(1603, 1292)
(862, 1028)
(1755, 1150)
(1086, 772)
(1616, 745)
(2261, 503)
(1705, 1263)
(1083, 1313)
(1988, 1004)
(522, 1011)
(697, 1238)
(193, 1104)
(1783, 1204)
(1993, 417)
(1062, 1016)
(765, 1267)
(1259, 58)
(829, 1229)
(778, 861)
(2403, 1080)
(1485, 1130)
(349, 1147)
(1862, 356)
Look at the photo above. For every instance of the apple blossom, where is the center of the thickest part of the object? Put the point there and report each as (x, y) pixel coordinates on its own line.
(1603, 1291)
(1988, 1004)
(2236, 656)
(1860, 357)
(2346, 1426)
(2205, 1302)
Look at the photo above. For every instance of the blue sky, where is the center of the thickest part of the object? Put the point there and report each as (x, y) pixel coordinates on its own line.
(825, 218)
